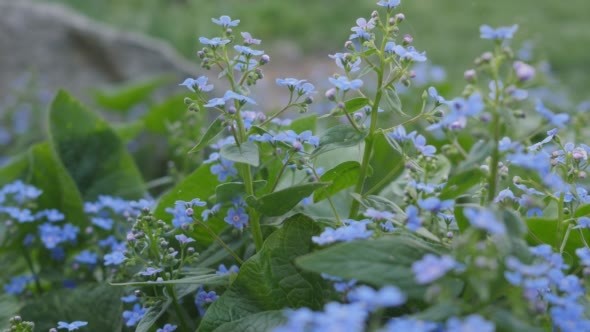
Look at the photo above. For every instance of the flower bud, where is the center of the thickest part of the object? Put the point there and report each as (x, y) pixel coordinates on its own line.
(582, 175)
(487, 57)
(399, 17)
(188, 101)
(470, 75)
(349, 45)
(524, 72)
(519, 114)
(189, 212)
(375, 14)
(331, 94)
(408, 39)
(231, 110)
(201, 54)
(308, 100)
(264, 59)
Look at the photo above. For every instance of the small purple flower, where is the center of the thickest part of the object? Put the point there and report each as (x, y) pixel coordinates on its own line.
(71, 326)
(183, 239)
(431, 268)
(501, 33)
(388, 296)
(167, 328)
(214, 42)
(225, 21)
(199, 84)
(524, 72)
(133, 316)
(247, 51)
(352, 231)
(344, 84)
(150, 271)
(237, 217)
(389, 4)
(114, 258)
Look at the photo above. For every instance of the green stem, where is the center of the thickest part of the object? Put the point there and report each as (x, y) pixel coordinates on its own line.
(385, 179)
(32, 269)
(177, 308)
(281, 172)
(560, 219)
(493, 179)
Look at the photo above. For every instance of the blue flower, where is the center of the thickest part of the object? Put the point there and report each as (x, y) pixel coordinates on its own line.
(50, 235)
(361, 31)
(470, 323)
(199, 84)
(431, 268)
(248, 40)
(167, 328)
(207, 213)
(52, 215)
(486, 220)
(17, 284)
(245, 50)
(183, 239)
(345, 61)
(432, 93)
(435, 205)
(420, 145)
(86, 257)
(289, 82)
(237, 217)
(351, 231)
(133, 316)
(229, 95)
(214, 42)
(583, 222)
(129, 298)
(104, 223)
(204, 298)
(223, 270)
(413, 220)
(408, 53)
(22, 216)
(460, 110)
(501, 33)
(69, 232)
(388, 296)
(344, 84)
(225, 21)
(224, 169)
(150, 271)
(409, 324)
(584, 255)
(190, 204)
(71, 326)
(389, 4)
(114, 258)
(505, 195)
(215, 102)
(558, 120)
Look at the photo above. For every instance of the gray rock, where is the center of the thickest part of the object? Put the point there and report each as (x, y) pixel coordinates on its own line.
(67, 50)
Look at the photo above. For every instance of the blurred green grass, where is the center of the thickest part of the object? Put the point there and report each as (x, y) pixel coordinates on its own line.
(446, 29)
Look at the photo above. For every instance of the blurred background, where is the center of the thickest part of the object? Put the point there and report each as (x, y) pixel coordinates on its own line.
(125, 58)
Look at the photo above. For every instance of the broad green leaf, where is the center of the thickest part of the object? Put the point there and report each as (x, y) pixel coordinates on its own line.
(387, 164)
(123, 98)
(262, 321)
(350, 106)
(384, 261)
(582, 211)
(199, 184)
(507, 321)
(545, 231)
(159, 116)
(225, 192)
(269, 280)
(339, 177)
(128, 131)
(208, 279)
(340, 136)
(40, 167)
(246, 153)
(304, 123)
(92, 152)
(152, 314)
(461, 183)
(478, 153)
(99, 305)
(213, 130)
(282, 201)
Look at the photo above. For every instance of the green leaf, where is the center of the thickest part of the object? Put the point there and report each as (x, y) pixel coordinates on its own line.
(269, 280)
(152, 314)
(246, 153)
(339, 177)
(582, 211)
(545, 231)
(9, 307)
(350, 106)
(128, 131)
(460, 183)
(304, 123)
(478, 153)
(208, 279)
(99, 305)
(123, 98)
(40, 167)
(262, 321)
(384, 261)
(392, 100)
(282, 201)
(213, 130)
(340, 136)
(386, 162)
(199, 184)
(225, 192)
(92, 153)
(507, 321)
(159, 116)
